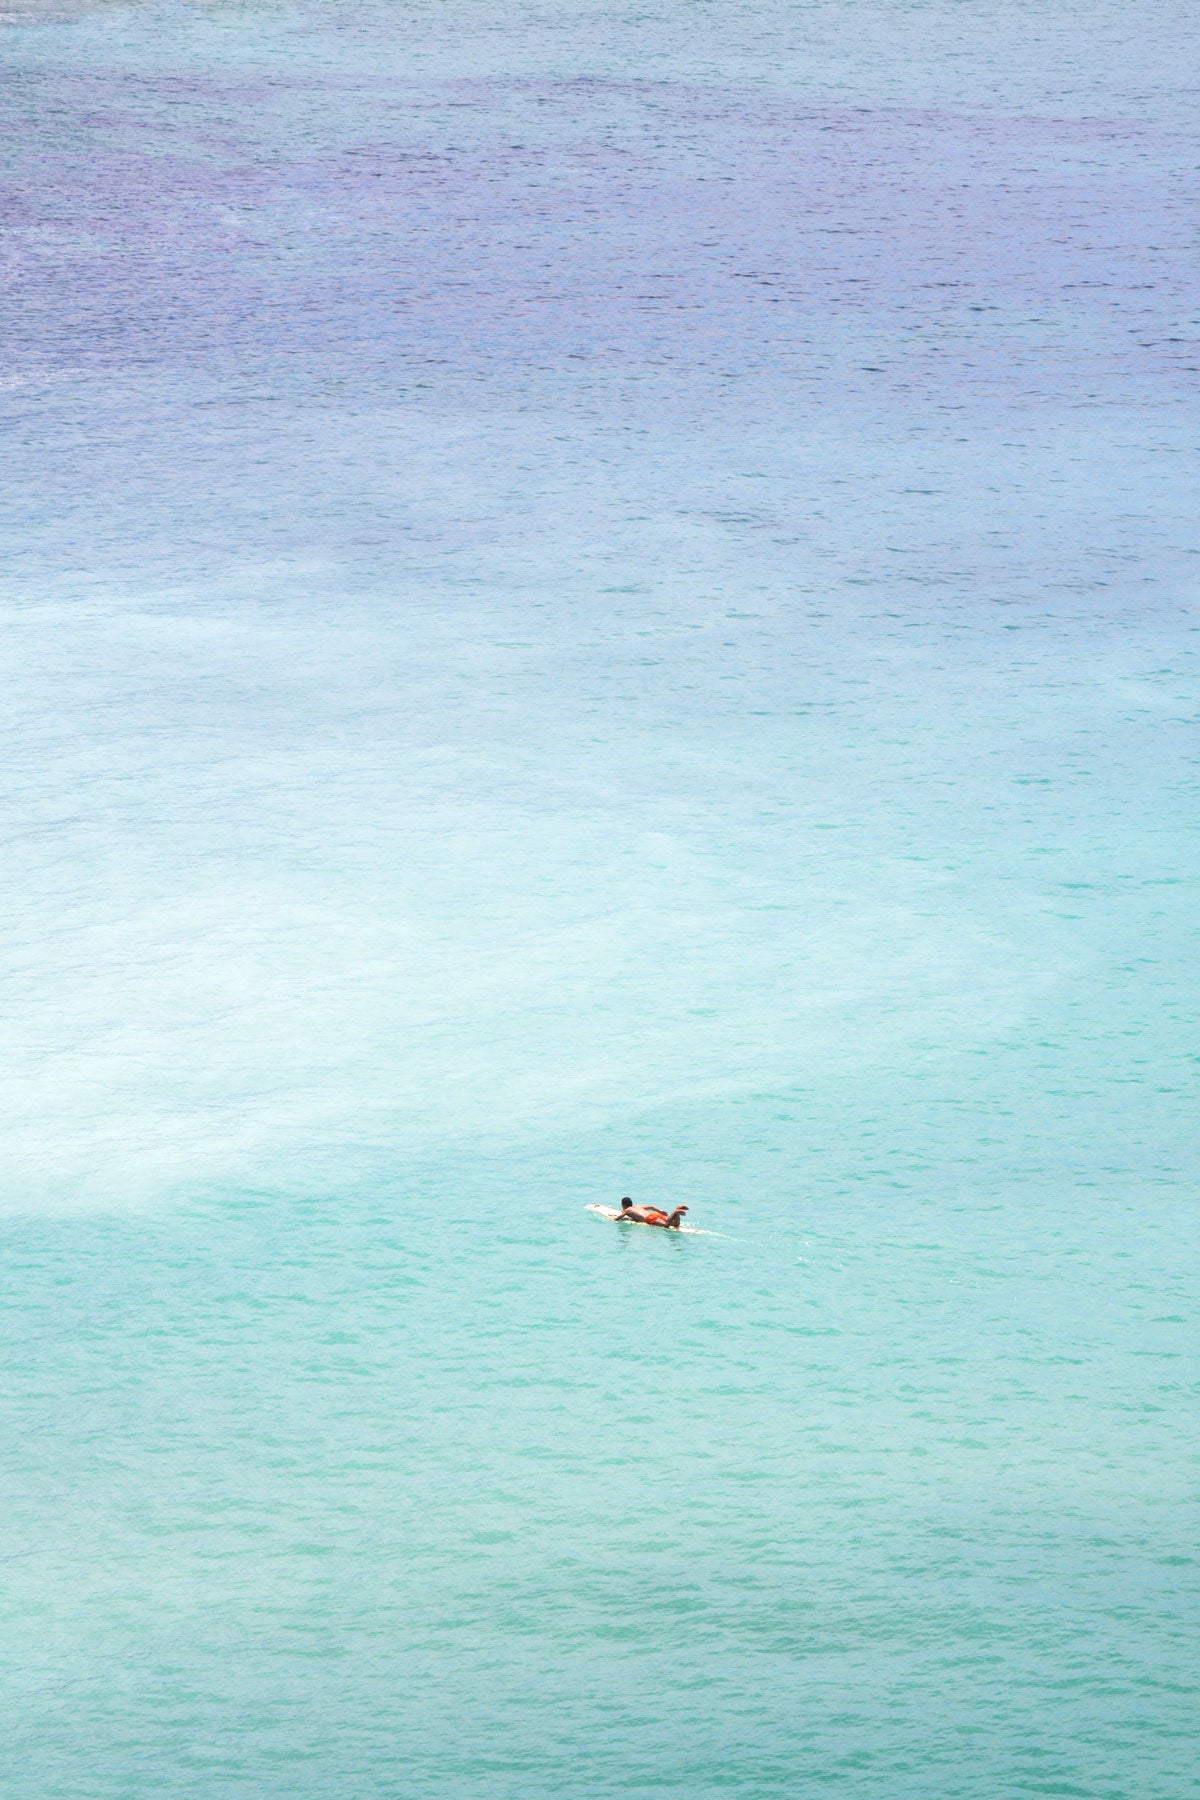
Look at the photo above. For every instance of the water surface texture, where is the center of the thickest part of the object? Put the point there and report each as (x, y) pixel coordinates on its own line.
(600, 600)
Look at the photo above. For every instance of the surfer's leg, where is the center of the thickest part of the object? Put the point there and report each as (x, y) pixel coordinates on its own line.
(676, 1216)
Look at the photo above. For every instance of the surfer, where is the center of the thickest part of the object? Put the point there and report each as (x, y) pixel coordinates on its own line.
(651, 1215)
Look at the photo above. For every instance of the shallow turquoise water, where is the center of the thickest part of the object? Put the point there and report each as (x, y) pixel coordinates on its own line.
(600, 602)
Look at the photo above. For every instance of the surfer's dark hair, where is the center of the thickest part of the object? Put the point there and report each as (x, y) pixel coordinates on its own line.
(625, 1200)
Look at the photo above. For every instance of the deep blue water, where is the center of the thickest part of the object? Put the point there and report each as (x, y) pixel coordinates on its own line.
(600, 600)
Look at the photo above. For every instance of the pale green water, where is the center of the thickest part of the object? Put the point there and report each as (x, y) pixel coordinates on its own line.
(600, 602)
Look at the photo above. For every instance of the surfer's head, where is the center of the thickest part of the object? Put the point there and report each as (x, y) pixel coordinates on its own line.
(625, 1202)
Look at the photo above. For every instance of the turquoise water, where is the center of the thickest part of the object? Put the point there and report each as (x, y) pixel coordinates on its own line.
(600, 601)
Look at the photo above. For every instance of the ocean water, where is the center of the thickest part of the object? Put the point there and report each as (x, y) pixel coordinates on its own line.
(598, 600)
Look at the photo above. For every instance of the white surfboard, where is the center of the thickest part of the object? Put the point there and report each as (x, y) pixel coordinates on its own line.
(609, 1212)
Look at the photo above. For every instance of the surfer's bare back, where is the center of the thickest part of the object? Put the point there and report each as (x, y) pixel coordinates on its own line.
(651, 1215)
